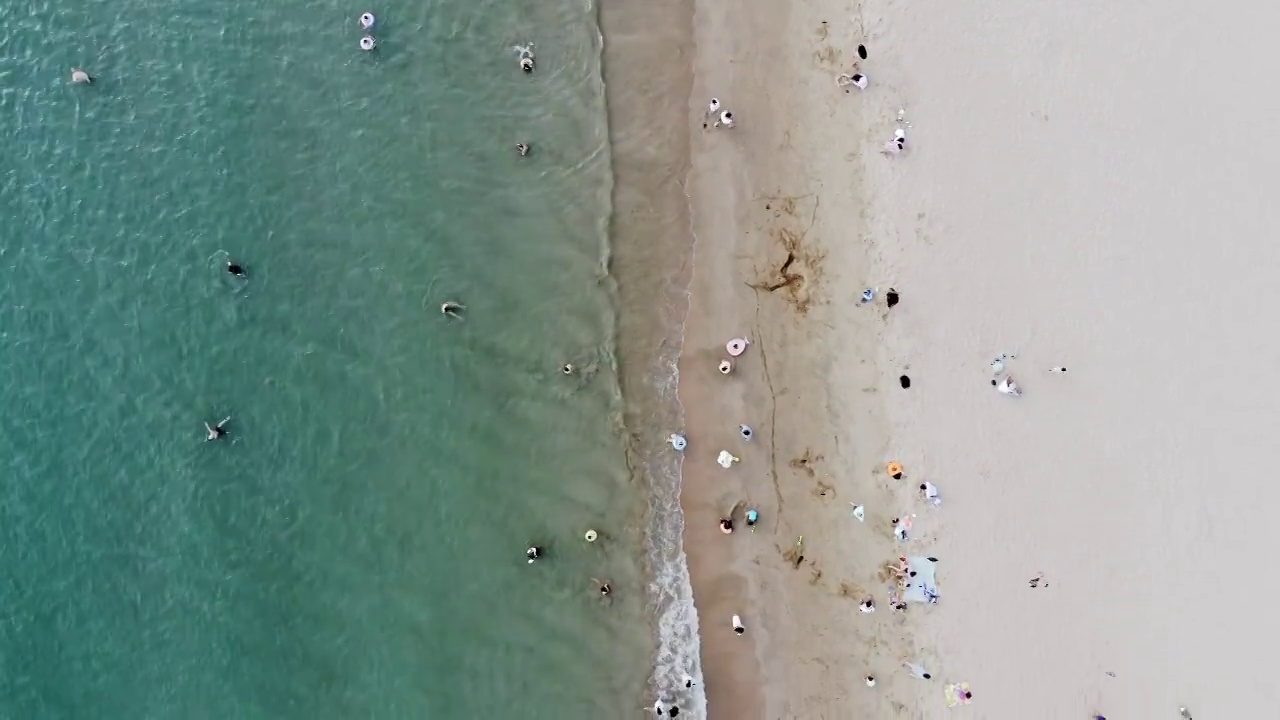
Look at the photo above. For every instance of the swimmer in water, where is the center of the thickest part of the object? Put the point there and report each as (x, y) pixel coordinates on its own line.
(522, 148)
(533, 552)
(603, 587)
(217, 432)
(453, 309)
(568, 369)
(526, 58)
(235, 268)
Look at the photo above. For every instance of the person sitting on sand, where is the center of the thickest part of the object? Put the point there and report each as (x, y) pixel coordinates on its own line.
(452, 309)
(897, 144)
(929, 492)
(217, 432)
(867, 606)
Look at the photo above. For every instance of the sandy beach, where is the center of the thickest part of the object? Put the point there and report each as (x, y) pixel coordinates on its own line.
(1081, 187)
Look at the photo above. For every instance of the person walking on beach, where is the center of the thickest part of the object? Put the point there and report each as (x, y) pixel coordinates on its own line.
(217, 432)
(687, 681)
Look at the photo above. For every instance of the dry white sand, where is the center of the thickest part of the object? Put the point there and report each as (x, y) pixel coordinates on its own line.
(1086, 185)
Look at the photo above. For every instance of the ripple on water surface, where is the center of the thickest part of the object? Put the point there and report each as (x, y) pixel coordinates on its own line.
(355, 550)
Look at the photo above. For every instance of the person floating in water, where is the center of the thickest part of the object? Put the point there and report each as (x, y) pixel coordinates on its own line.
(453, 309)
(235, 268)
(526, 58)
(533, 552)
(217, 432)
(603, 587)
(522, 148)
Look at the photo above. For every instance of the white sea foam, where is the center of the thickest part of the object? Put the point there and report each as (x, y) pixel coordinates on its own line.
(670, 592)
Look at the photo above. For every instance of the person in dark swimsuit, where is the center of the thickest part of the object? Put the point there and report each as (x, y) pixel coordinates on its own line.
(217, 432)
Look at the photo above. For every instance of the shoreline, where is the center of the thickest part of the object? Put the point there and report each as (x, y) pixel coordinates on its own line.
(645, 71)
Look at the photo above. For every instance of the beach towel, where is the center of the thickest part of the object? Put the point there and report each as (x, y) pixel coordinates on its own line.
(923, 587)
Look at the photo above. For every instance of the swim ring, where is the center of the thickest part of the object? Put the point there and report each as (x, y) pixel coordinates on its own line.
(737, 346)
(368, 43)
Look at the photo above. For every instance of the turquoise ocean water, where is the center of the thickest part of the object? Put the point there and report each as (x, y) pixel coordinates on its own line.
(355, 549)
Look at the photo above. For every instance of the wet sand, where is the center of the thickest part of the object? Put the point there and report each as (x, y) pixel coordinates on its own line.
(776, 206)
(1084, 186)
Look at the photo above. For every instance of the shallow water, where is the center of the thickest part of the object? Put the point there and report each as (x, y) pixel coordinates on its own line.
(356, 548)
